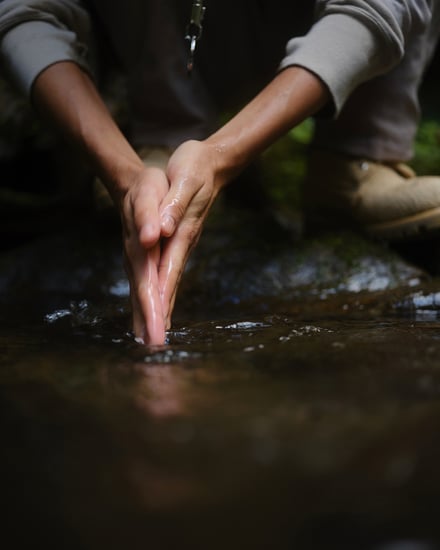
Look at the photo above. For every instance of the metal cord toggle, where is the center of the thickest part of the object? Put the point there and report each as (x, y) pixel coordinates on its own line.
(194, 31)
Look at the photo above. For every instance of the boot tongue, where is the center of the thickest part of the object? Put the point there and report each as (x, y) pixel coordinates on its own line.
(403, 169)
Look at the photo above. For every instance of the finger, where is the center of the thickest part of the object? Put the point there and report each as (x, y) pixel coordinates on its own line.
(138, 322)
(141, 267)
(176, 203)
(170, 308)
(149, 298)
(172, 264)
(144, 205)
(146, 219)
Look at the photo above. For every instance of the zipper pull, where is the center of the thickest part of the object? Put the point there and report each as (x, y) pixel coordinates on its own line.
(194, 31)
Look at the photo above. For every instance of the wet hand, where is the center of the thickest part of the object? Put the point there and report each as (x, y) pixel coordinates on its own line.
(139, 208)
(194, 184)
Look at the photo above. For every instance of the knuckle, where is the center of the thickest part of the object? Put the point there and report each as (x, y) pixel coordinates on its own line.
(176, 210)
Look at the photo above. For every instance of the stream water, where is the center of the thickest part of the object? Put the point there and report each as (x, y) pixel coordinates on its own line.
(279, 420)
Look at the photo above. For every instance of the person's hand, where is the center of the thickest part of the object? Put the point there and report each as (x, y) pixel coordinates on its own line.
(139, 209)
(194, 181)
(68, 98)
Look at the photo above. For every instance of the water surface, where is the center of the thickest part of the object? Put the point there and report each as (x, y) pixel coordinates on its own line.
(302, 420)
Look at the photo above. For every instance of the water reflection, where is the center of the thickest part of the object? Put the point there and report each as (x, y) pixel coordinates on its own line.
(406, 545)
(282, 429)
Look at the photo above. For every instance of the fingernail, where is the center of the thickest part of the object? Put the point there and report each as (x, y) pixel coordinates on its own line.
(168, 224)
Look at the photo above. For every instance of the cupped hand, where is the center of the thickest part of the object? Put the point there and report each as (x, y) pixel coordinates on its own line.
(139, 208)
(195, 182)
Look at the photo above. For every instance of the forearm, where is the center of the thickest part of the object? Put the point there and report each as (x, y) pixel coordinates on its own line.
(294, 95)
(67, 98)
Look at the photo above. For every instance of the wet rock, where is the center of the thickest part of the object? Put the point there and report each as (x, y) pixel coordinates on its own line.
(250, 257)
(241, 259)
(85, 261)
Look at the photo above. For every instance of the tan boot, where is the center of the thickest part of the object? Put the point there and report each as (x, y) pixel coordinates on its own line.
(384, 200)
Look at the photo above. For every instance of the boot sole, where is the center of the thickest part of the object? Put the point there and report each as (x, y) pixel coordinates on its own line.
(415, 226)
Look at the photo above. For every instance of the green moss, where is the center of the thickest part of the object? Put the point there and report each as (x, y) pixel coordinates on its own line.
(284, 166)
(348, 247)
(427, 148)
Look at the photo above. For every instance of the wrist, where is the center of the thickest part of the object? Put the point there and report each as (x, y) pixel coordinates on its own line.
(226, 159)
(119, 174)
